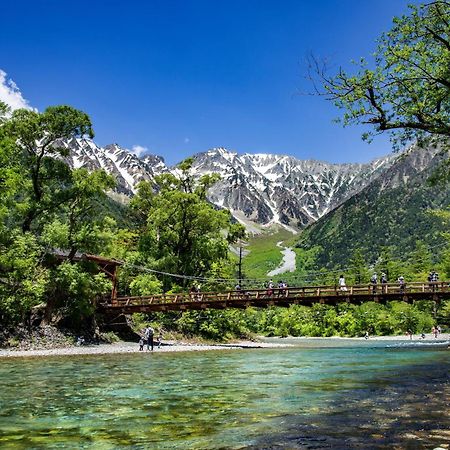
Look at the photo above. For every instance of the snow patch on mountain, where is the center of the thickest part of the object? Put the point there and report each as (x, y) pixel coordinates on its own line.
(261, 189)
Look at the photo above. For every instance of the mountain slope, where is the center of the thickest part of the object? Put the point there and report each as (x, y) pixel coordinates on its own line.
(391, 211)
(258, 189)
(127, 168)
(266, 188)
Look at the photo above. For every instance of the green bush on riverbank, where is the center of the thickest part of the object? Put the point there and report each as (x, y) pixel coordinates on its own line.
(344, 320)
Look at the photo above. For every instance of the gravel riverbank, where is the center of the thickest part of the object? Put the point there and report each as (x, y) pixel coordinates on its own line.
(177, 346)
(131, 347)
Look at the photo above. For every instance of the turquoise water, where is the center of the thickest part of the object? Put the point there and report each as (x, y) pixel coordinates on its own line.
(327, 394)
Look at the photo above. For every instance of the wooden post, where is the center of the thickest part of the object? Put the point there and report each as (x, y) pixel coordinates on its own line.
(114, 284)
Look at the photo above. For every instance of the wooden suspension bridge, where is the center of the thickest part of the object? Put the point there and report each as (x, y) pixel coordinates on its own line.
(263, 298)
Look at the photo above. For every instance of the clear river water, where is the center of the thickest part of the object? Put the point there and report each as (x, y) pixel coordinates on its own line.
(318, 394)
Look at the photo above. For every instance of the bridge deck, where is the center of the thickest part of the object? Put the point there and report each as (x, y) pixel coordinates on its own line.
(308, 295)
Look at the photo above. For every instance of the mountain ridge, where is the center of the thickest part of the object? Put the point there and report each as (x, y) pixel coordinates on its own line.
(392, 211)
(259, 189)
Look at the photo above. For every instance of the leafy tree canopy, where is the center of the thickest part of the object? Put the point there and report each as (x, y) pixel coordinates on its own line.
(182, 232)
(37, 141)
(407, 93)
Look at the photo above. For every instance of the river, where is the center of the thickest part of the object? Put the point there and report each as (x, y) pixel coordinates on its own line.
(318, 394)
(288, 262)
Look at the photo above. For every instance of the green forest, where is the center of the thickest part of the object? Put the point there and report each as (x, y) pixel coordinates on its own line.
(46, 209)
(168, 226)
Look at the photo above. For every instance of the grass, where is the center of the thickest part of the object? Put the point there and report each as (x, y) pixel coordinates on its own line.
(264, 254)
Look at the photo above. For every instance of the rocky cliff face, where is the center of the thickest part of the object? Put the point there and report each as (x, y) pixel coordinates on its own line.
(260, 188)
(266, 188)
(392, 211)
(127, 168)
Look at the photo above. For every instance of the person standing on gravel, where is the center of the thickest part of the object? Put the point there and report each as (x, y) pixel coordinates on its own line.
(149, 336)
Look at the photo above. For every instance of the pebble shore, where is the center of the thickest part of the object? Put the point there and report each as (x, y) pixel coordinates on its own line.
(176, 346)
(130, 347)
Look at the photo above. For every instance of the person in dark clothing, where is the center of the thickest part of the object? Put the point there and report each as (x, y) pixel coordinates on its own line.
(149, 336)
(433, 278)
(401, 283)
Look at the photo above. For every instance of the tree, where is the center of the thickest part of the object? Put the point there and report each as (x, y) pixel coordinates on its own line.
(421, 261)
(408, 92)
(23, 279)
(390, 265)
(82, 212)
(38, 138)
(358, 268)
(11, 176)
(183, 232)
(36, 183)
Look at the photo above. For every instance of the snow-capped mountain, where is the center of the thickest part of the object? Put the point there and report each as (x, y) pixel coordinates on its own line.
(267, 188)
(128, 169)
(256, 188)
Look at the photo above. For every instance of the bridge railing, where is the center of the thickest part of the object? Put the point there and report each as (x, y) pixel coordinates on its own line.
(302, 292)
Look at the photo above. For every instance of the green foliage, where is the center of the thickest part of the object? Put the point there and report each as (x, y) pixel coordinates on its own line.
(37, 138)
(214, 325)
(23, 280)
(343, 320)
(379, 218)
(180, 231)
(145, 284)
(75, 286)
(358, 273)
(420, 262)
(408, 91)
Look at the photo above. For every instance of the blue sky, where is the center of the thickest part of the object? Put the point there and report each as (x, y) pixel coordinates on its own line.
(179, 77)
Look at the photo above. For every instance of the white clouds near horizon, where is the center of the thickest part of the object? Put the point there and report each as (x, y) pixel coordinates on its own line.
(139, 150)
(10, 93)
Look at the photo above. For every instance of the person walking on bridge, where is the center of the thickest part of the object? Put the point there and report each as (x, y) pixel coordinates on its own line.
(433, 278)
(401, 284)
(281, 288)
(383, 283)
(270, 287)
(342, 286)
(374, 281)
(193, 292)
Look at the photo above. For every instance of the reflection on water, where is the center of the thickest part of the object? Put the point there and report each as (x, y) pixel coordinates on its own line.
(349, 396)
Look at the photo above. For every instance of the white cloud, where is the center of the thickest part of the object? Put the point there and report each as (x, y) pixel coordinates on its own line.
(138, 150)
(10, 93)
(186, 140)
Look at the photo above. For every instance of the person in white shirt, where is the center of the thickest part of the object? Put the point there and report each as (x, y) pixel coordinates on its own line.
(342, 285)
